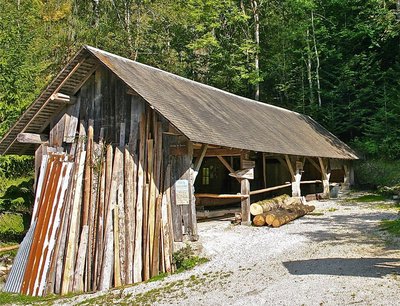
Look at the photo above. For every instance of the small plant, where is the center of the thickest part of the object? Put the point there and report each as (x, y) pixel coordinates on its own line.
(185, 259)
(392, 226)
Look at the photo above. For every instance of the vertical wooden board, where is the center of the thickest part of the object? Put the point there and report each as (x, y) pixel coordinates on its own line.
(107, 252)
(175, 209)
(71, 123)
(146, 244)
(69, 264)
(130, 214)
(114, 208)
(97, 101)
(93, 213)
(194, 236)
(100, 222)
(152, 201)
(121, 217)
(138, 253)
(62, 239)
(43, 176)
(80, 260)
(156, 242)
(88, 196)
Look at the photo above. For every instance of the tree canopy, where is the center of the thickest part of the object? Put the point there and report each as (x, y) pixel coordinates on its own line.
(336, 60)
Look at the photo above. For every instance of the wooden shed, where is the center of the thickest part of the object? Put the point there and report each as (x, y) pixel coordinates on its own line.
(119, 148)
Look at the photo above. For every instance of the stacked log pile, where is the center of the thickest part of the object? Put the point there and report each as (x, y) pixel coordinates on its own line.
(278, 211)
(101, 216)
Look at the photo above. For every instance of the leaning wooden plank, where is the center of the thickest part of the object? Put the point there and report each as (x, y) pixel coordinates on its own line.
(156, 242)
(165, 221)
(87, 191)
(59, 252)
(121, 217)
(15, 278)
(138, 263)
(93, 212)
(100, 223)
(114, 208)
(152, 202)
(129, 214)
(39, 189)
(107, 256)
(69, 264)
(59, 205)
(80, 261)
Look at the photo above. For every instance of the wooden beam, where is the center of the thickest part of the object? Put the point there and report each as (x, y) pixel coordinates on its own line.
(132, 92)
(312, 162)
(32, 138)
(226, 164)
(88, 75)
(200, 158)
(290, 166)
(182, 150)
(220, 196)
(270, 189)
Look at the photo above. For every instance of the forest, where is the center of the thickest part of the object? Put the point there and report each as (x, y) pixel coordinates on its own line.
(335, 60)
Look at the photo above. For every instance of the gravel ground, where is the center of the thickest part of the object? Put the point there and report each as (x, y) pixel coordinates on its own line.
(338, 257)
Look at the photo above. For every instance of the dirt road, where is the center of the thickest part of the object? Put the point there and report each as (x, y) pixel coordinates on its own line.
(337, 256)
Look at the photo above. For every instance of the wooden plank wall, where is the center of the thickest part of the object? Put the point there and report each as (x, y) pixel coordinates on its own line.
(119, 215)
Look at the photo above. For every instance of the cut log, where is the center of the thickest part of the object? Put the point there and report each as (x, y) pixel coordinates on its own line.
(259, 220)
(268, 205)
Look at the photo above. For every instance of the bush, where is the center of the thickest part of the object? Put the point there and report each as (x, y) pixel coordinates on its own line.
(374, 174)
(18, 197)
(12, 166)
(12, 227)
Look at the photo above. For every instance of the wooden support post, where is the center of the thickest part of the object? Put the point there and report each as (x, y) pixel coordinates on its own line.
(295, 176)
(325, 176)
(245, 191)
(348, 176)
(264, 170)
(296, 190)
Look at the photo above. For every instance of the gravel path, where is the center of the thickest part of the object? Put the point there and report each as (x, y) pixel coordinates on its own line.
(338, 257)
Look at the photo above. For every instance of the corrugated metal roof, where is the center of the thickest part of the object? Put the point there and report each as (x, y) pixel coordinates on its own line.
(209, 115)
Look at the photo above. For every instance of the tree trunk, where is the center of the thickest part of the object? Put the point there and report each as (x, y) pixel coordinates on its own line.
(317, 59)
(254, 7)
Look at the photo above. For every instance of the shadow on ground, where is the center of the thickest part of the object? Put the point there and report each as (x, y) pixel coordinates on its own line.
(343, 229)
(363, 267)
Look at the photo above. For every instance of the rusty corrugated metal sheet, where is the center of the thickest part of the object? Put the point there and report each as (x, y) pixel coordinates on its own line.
(16, 276)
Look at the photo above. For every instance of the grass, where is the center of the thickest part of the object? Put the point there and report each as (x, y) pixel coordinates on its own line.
(369, 198)
(392, 226)
(13, 298)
